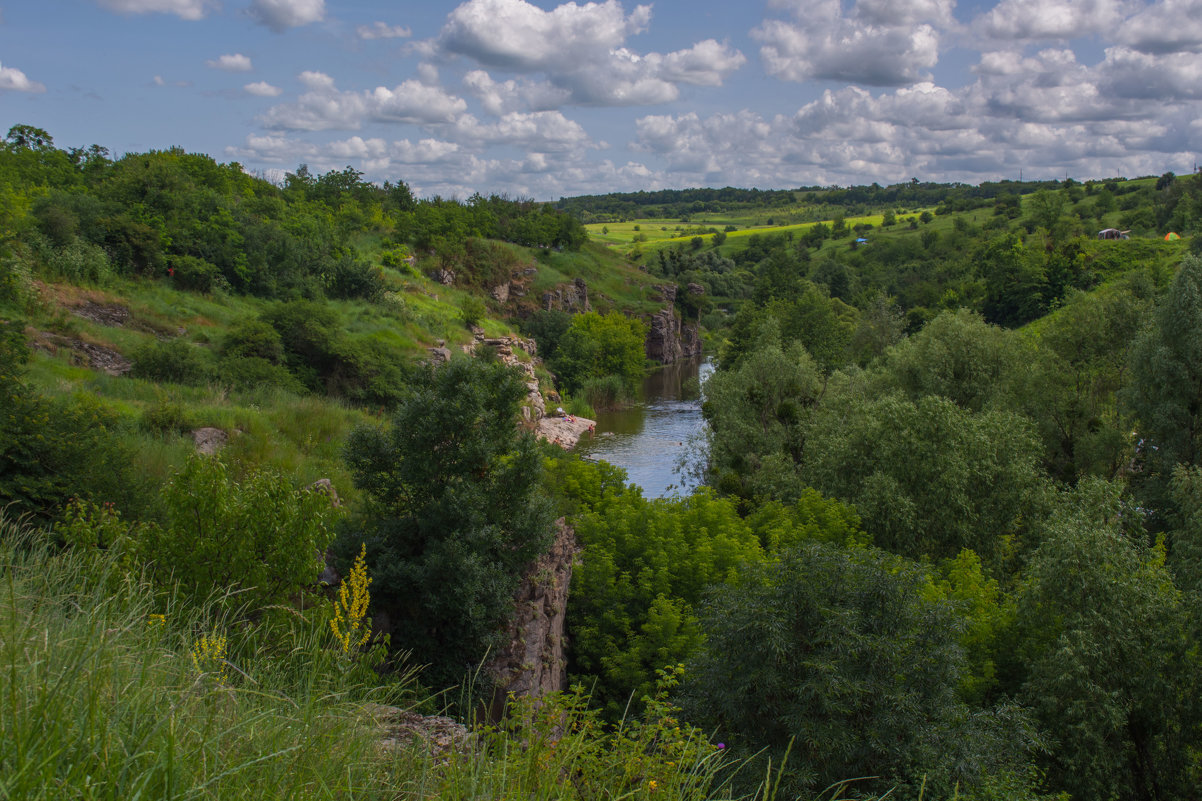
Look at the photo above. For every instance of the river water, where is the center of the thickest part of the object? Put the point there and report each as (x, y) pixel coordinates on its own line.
(658, 441)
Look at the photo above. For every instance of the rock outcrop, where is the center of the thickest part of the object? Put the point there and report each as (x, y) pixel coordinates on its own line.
(668, 339)
(209, 440)
(532, 662)
(571, 298)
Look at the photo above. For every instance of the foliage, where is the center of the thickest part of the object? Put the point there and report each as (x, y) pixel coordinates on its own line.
(254, 540)
(52, 449)
(1106, 667)
(453, 511)
(844, 654)
(595, 346)
(1166, 380)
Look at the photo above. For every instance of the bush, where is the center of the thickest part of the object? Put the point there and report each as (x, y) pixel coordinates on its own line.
(173, 361)
(471, 311)
(255, 540)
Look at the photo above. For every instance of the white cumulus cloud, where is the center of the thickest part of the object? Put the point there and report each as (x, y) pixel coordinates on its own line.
(230, 62)
(1053, 19)
(382, 30)
(280, 15)
(581, 51)
(184, 9)
(13, 80)
(1168, 26)
(324, 107)
(263, 89)
(878, 44)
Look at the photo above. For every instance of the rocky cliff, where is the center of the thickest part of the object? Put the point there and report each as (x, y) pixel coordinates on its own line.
(533, 661)
(668, 338)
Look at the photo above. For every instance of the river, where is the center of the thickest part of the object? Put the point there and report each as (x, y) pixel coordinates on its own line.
(653, 439)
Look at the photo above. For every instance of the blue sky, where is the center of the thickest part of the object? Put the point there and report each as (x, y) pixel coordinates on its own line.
(545, 99)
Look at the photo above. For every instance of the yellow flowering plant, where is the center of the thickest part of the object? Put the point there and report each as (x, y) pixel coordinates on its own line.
(349, 624)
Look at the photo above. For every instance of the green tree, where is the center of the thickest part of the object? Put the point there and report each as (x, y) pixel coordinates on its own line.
(928, 477)
(849, 656)
(758, 416)
(1165, 391)
(1104, 656)
(453, 511)
(596, 346)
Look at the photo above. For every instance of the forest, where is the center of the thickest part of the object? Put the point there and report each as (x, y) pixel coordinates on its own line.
(948, 543)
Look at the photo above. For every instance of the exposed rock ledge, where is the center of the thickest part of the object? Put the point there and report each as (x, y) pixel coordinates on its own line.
(562, 431)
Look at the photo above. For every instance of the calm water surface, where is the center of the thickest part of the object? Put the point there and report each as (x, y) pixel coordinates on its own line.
(653, 439)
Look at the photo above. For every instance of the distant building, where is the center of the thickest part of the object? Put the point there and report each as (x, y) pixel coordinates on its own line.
(1113, 233)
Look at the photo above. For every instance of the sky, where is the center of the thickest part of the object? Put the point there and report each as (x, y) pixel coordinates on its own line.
(546, 99)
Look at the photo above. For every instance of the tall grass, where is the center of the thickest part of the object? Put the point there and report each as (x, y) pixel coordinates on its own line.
(101, 699)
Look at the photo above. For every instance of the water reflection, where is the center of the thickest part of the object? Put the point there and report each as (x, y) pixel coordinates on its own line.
(652, 439)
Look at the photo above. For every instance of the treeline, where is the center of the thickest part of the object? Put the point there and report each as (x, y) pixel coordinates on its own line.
(206, 226)
(683, 203)
(1013, 261)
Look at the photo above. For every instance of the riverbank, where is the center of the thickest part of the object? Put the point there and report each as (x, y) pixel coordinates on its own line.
(563, 431)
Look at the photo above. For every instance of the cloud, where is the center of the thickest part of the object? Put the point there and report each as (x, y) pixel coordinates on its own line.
(280, 15)
(1131, 74)
(537, 132)
(1052, 19)
(235, 62)
(580, 49)
(879, 44)
(514, 34)
(382, 30)
(1170, 26)
(263, 89)
(184, 9)
(499, 97)
(324, 107)
(13, 80)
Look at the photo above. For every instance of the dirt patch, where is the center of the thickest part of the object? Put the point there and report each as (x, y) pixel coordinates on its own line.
(113, 314)
(84, 354)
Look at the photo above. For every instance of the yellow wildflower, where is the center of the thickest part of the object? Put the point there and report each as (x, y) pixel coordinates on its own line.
(350, 610)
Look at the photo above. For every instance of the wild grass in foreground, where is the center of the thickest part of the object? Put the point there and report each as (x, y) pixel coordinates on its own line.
(111, 691)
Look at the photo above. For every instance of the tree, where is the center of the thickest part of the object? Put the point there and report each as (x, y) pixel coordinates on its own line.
(453, 511)
(1104, 657)
(849, 655)
(596, 346)
(1165, 391)
(28, 137)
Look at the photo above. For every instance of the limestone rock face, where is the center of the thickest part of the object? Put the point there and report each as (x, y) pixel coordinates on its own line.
(444, 277)
(690, 340)
(572, 298)
(533, 661)
(695, 289)
(500, 292)
(663, 337)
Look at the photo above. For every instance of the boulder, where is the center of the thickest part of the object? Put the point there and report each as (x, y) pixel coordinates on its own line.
(209, 440)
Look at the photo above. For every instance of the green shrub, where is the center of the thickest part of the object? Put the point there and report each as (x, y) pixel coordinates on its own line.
(255, 539)
(197, 275)
(471, 311)
(607, 392)
(173, 361)
(252, 372)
